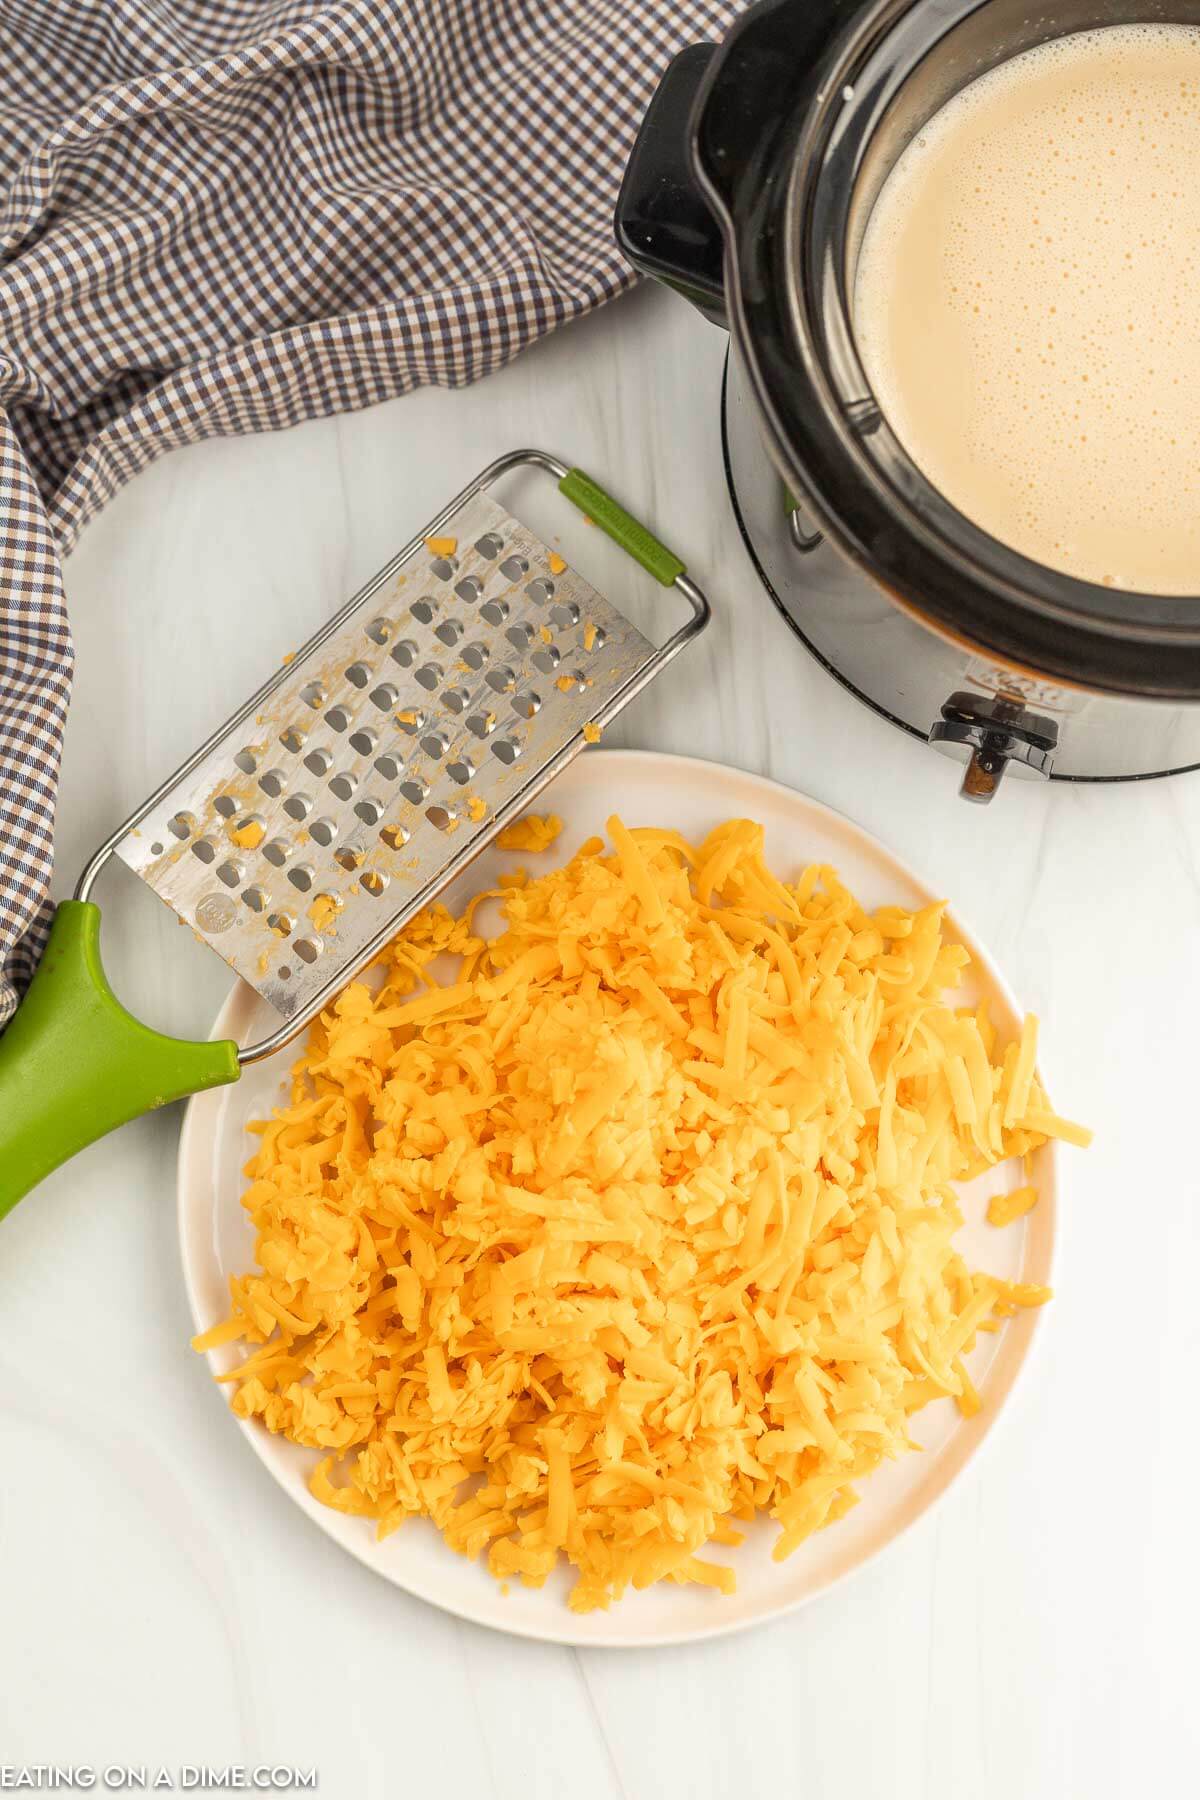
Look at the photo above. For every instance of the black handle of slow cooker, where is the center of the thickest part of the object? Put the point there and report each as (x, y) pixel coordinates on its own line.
(706, 150)
(664, 225)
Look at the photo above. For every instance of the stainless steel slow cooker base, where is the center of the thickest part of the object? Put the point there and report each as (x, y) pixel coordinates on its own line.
(916, 679)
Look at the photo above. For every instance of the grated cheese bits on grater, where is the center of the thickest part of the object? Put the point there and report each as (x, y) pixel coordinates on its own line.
(637, 1225)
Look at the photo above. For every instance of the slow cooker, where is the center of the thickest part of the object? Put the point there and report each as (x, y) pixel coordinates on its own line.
(748, 191)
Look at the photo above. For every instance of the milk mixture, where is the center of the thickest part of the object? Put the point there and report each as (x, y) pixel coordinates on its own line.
(1027, 304)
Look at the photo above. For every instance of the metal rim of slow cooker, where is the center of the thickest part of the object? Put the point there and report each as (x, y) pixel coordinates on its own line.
(959, 580)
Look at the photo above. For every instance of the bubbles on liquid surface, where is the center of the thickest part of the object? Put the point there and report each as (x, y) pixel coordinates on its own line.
(1027, 303)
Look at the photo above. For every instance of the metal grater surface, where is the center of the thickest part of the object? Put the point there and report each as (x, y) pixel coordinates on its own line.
(383, 752)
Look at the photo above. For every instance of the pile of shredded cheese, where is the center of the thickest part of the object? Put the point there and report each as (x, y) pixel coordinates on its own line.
(640, 1223)
(536, 831)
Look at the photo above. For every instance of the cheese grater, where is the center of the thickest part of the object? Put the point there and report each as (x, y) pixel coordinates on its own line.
(339, 801)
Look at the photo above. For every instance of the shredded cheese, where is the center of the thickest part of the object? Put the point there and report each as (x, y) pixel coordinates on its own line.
(536, 831)
(592, 732)
(637, 1224)
(324, 910)
(247, 835)
(441, 546)
(1004, 1208)
(558, 564)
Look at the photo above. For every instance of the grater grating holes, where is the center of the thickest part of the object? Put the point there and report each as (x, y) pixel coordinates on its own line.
(308, 949)
(503, 679)
(390, 765)
(282, 924)
(441, 681)
(182, 825)
(444, 567)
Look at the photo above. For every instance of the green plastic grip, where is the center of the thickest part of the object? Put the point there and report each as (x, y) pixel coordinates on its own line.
(75, 1065)
(599, 506)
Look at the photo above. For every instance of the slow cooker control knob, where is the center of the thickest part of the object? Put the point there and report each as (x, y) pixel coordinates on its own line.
(992, 733)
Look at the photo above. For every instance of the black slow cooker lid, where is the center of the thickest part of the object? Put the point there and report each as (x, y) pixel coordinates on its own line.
(761, 141)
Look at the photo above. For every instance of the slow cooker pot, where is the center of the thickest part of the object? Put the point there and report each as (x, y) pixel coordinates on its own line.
(748, 191)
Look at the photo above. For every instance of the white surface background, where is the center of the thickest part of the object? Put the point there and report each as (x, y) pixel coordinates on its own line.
(164, 1603)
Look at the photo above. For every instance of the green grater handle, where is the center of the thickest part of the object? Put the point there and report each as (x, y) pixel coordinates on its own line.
(75, 1065)
(599, 506)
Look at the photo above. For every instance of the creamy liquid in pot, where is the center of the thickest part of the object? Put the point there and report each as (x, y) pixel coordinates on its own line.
(1027, 304)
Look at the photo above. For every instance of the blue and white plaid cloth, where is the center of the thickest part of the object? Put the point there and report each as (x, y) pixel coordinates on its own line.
(221, 216)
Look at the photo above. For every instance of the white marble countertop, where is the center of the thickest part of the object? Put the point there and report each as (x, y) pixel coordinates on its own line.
(164, 1603)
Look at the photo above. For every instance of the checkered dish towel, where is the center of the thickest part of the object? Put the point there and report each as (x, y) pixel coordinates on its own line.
(220, 216)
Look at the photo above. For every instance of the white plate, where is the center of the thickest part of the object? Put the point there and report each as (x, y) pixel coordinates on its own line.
(691, 796)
